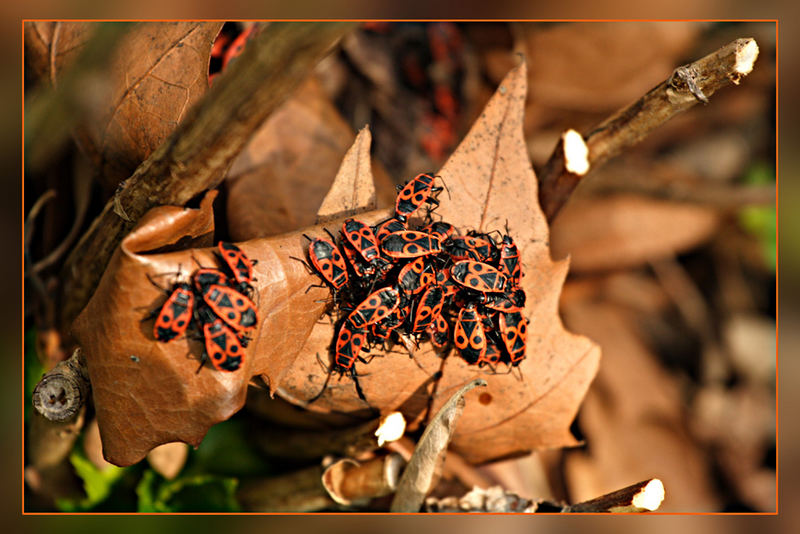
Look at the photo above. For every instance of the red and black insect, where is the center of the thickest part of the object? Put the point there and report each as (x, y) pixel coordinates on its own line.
(491, 357)
(509, 302)
(361, 268)
(175, 314)
(235, 309)
(223, 347)
(389, 226)
(509, 263)
(206, 276)
(349, 343)
(428, 308)
(444, 279)
(478, 276)
(468, 335)
(348, 346)
(362, 238)
(328, 262)
(469, 248)
(439, 332)
(440, 229)
(383, 329)
(376, 307)
(416, 193)
(514, 331)
(237, 262)
(415, 276)
(410, 244)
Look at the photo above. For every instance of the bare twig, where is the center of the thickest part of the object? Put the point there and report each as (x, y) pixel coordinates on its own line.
(301, 491)
(194, 158)
(687, 86)
(644, 496)
(349, 442)
(62, 392)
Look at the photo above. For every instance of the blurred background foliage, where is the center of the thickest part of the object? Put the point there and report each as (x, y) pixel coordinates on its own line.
(673, 250)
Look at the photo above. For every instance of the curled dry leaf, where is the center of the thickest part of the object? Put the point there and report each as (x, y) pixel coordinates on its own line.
(349, 482)
(420, 473)
(159, 71)
(490, 182)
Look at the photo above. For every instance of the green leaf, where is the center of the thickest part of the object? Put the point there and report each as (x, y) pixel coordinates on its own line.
(146, 491)
(199, 493)
(760, 221)
(228, 450)
(96, 482)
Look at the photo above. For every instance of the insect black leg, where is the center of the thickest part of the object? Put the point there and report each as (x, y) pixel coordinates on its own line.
(325, 384)
(358, 386)
(304, 262)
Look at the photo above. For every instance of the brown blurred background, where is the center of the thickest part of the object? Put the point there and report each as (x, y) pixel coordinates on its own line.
(680, 295)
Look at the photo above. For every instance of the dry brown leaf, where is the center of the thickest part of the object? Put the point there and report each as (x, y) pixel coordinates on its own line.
(159, 71)
(491, 181)
(280, 179)
(50, 46)
(623, 230)
(632, 419)
(421, 471)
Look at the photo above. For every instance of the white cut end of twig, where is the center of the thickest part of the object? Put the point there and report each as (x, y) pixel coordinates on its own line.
(745, 57)
(650, 497)
(576, 153)
(392, 428)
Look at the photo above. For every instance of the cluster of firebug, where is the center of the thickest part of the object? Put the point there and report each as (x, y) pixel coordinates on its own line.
(216, 306)
(401, 280)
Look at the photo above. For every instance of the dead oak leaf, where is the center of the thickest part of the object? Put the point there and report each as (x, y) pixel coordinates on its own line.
(159, 71)
(490, 181)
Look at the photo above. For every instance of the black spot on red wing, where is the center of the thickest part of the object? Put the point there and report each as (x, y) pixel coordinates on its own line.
(233, 349)
(239, 303)
(231, 315)
(460, 340)
(326, 266)
(165, 318)
(217, 355)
